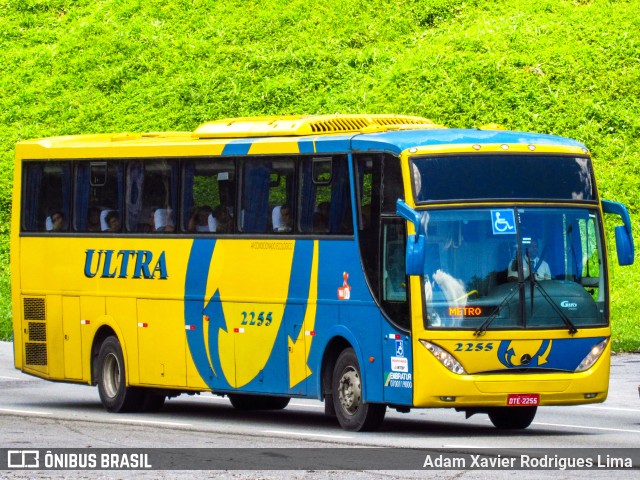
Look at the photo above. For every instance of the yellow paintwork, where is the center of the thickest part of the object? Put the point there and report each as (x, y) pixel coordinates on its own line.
(492, 390)
(245, 290)
(298, 125)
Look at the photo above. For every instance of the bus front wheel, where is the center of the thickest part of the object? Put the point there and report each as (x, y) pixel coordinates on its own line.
(116, 397)
(512, 418)
(346, 385)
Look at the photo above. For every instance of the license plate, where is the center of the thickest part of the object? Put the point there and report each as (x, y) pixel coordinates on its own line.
(523, 399)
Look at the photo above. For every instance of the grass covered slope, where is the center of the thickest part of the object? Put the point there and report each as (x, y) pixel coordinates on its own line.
(567, 67)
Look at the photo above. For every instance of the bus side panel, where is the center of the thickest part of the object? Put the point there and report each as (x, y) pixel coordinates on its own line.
(161, 343)
(72, 333)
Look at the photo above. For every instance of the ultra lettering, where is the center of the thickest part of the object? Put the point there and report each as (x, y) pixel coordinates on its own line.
(125, 264)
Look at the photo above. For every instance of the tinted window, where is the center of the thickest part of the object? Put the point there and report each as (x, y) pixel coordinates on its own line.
(98, 195)
(474, 177)
(324, 200)
(46, 196)
(267, 193)
(208, 196)
(151, 196)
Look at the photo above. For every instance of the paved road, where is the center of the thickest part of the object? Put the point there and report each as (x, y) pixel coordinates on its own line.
(38, 414)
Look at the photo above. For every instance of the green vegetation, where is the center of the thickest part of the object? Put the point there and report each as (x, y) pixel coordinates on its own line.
(567, 67)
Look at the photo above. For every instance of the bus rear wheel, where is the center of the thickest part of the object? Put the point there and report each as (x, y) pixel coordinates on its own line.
(258, 402)
(116, 397)
(512, 418)
(346, 385)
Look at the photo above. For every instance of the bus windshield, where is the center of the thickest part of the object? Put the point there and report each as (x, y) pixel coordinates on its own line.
(514, 268)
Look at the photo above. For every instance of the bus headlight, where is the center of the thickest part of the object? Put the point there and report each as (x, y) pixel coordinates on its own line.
(444, 357)
(593, 355)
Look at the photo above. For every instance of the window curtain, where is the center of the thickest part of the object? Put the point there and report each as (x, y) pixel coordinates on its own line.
(83, 189)
(255, 197)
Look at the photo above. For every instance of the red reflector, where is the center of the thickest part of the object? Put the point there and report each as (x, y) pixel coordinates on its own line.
(191, 327)
(85, 322)
(142, 325)
(523, 399)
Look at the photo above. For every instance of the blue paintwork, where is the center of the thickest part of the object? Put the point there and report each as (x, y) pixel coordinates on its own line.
(399, 141)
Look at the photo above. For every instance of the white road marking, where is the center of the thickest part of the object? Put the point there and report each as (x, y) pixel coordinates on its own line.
(585, 427)
(307, 405)
(12, 378)
(596, 407)
(25, 412)
(304, 434)
(152, 422)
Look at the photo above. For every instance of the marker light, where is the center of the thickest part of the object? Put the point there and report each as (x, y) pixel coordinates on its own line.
(444, 357)
(593, 355)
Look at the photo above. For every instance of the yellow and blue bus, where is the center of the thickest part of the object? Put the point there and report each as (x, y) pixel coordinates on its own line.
(370, 261)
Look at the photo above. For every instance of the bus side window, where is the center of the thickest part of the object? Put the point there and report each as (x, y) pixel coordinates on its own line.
(46, 194)
(324, 202)
(208, 196)
(98, 189)
(266, 184)
(151, 196)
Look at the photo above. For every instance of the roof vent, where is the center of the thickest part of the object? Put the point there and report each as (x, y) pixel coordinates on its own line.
(308, 125)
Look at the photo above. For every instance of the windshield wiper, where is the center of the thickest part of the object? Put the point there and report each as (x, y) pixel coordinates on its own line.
(485, 325)
(536, 284)
(561, 314)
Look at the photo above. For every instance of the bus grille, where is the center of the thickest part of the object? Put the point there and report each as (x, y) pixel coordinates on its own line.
(358, 123)
(36, 354)
(34, 309)
(35, 346)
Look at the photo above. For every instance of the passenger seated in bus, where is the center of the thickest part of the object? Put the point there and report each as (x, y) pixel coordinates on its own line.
(223, 220)
(321, 218)
(93, 219)
(281, 219)
(112, 220)
(104, 224)
(55, 222)
(163, 220)
(538, 265)
(201, 220)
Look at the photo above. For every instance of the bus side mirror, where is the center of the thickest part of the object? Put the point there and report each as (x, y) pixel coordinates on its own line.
(624, 236)
(414, 256)
(624, 246)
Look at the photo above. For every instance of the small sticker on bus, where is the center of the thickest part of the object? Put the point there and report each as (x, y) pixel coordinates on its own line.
(399, 364)
(344, 292)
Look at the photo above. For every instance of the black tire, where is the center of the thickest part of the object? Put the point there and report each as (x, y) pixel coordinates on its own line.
(512, 418)
(346, 387)
(116, 397)
(258, 402)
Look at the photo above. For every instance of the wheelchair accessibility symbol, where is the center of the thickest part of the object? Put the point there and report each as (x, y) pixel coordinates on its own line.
(503, 222)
